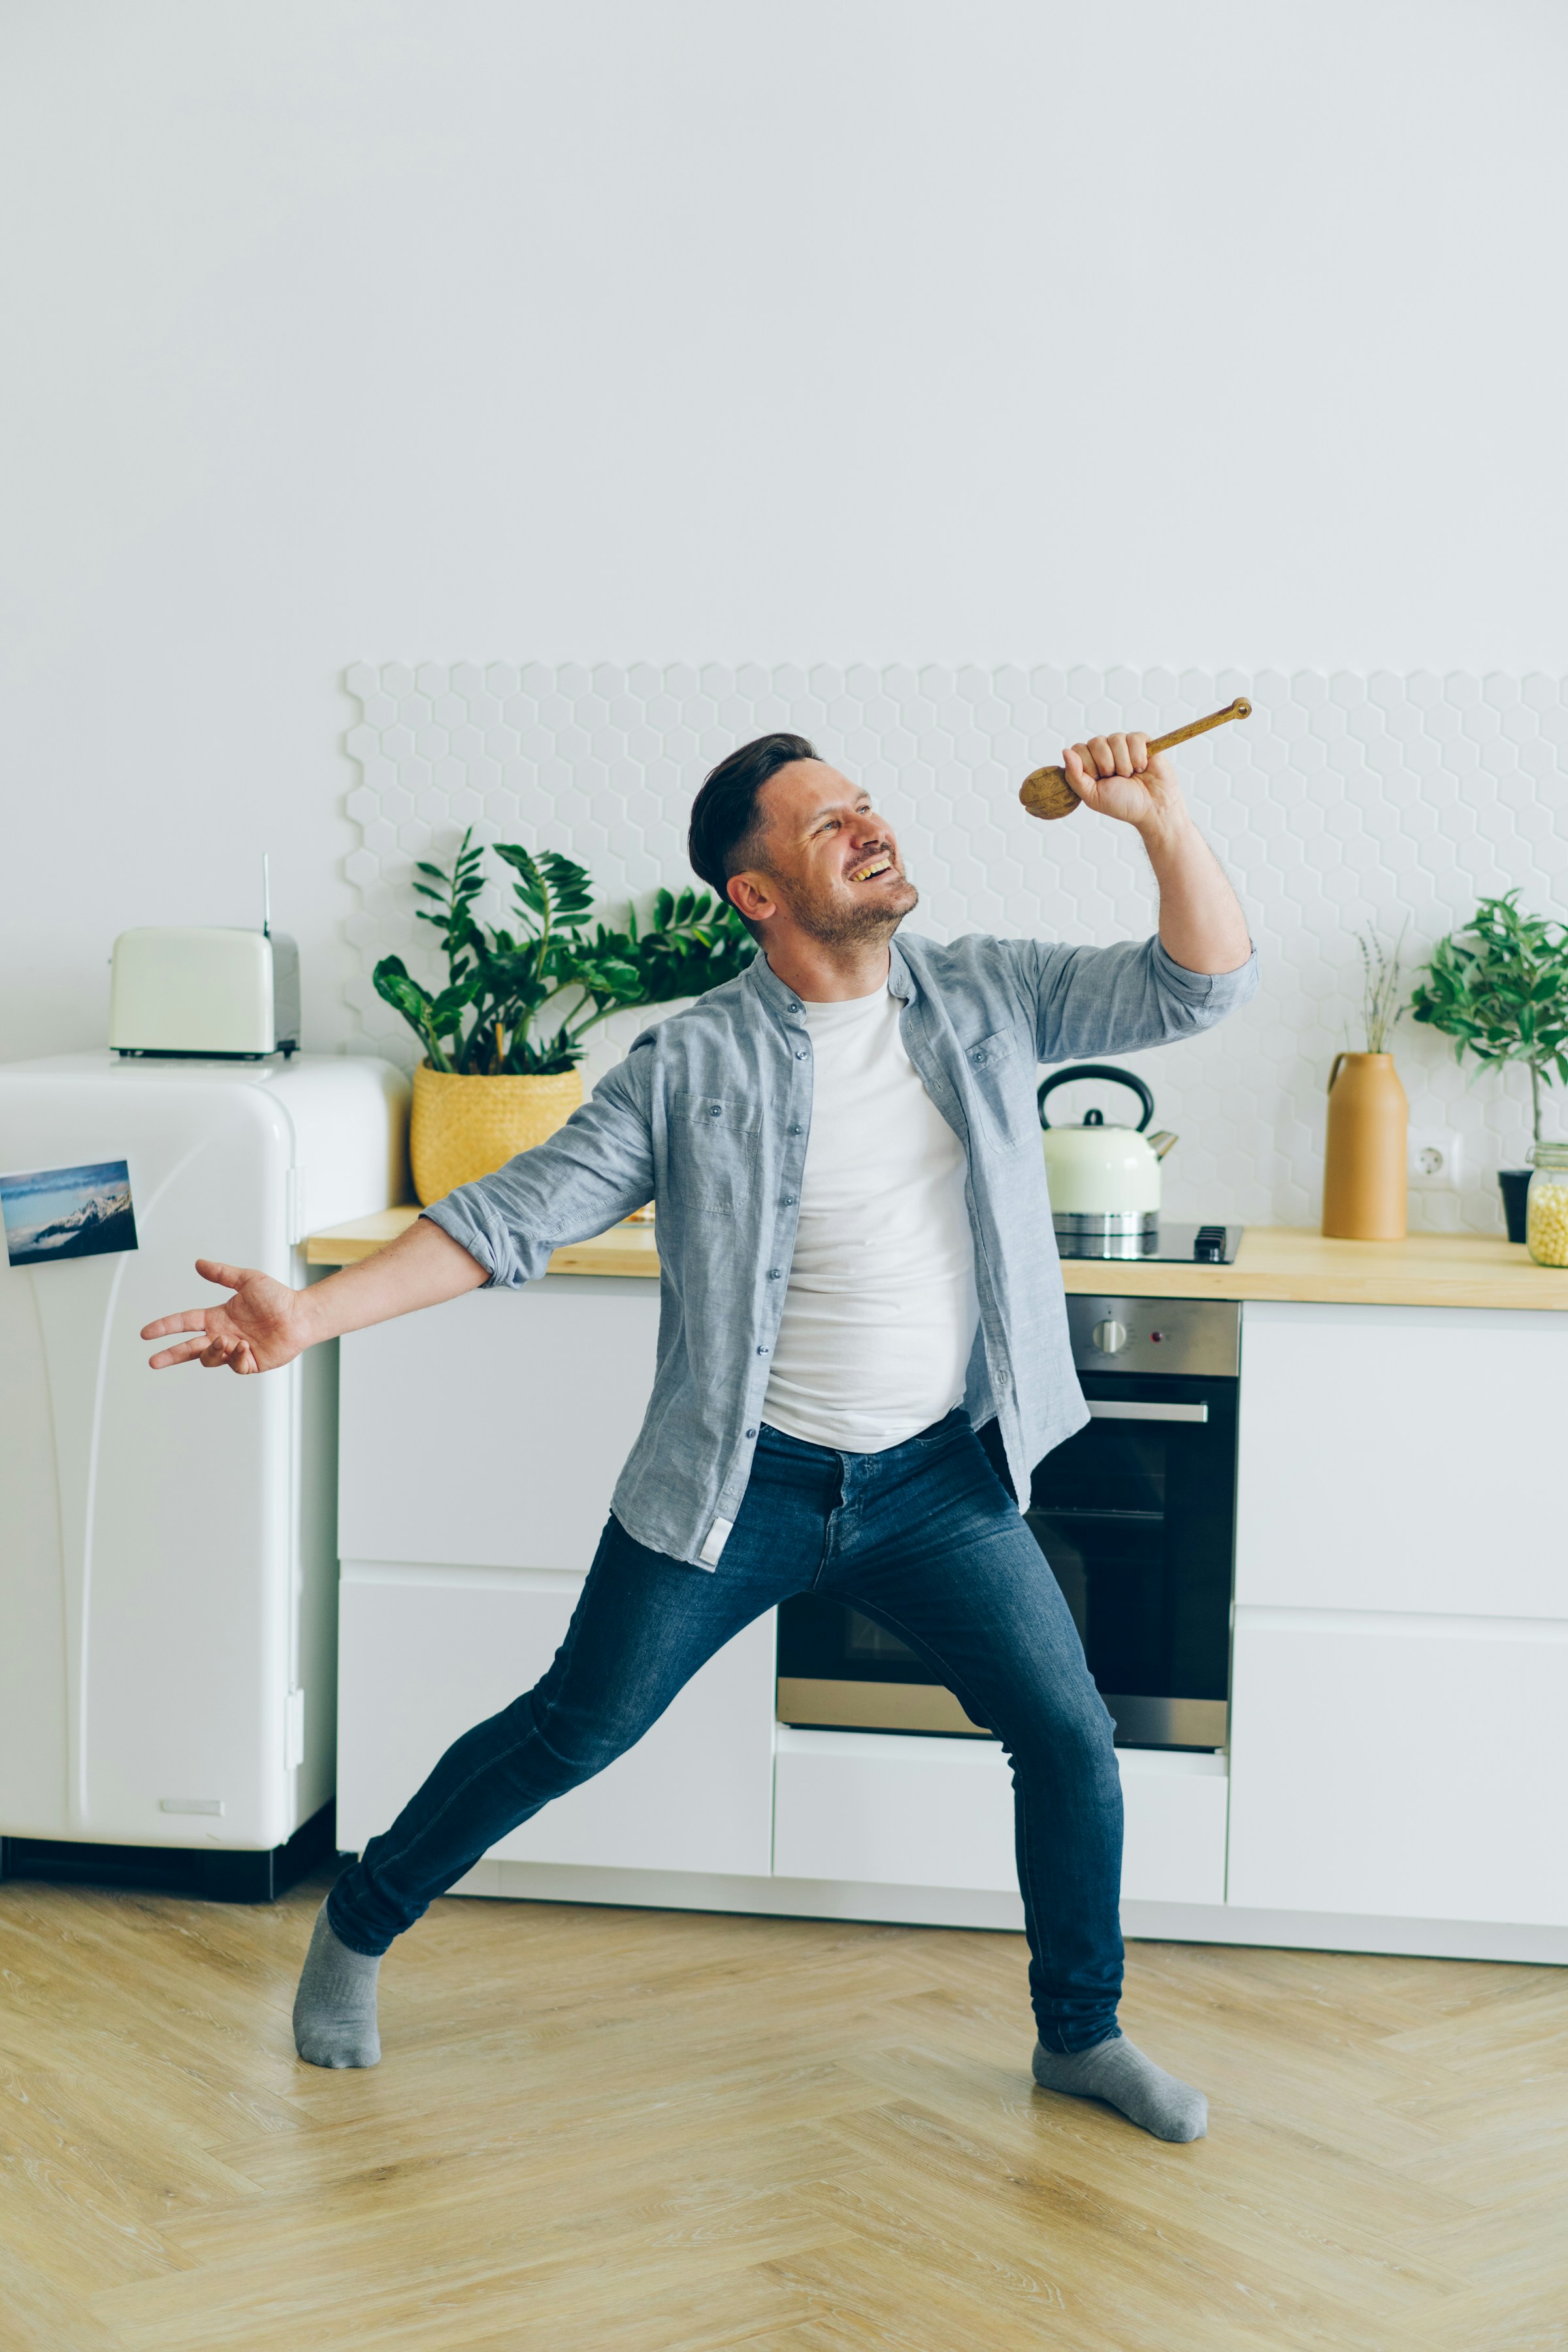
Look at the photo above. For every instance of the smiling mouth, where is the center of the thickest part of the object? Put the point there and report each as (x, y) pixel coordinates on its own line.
(869, 872)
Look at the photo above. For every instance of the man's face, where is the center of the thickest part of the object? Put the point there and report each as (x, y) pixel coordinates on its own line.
(831, 861)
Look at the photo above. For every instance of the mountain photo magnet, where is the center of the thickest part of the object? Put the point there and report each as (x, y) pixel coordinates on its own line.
(59, 1212)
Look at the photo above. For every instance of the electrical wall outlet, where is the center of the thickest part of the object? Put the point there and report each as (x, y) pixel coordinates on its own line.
(1433, 1159)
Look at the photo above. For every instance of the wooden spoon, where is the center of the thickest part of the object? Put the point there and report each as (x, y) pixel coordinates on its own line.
(1048, 793)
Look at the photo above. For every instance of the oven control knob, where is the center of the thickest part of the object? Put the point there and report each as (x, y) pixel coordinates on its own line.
(1110, 1336)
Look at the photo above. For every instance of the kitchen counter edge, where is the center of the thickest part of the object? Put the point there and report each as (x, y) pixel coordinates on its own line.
(1275, 1262)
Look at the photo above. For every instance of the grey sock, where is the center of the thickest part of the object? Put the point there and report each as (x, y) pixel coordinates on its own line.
(334, 2008)
(1116, 2072)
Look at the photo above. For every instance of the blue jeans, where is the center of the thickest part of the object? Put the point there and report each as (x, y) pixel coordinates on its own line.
(924, 1540)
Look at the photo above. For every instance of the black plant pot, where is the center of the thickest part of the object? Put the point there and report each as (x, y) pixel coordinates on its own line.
(1515, 1183)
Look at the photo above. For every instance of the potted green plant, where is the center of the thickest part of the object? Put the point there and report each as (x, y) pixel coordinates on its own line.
(1498, 987)
(504, 1039)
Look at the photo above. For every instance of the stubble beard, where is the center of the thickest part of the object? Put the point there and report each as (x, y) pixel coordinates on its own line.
(833, 925)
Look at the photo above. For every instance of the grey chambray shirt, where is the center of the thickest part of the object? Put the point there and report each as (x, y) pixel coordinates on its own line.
(708, 1117)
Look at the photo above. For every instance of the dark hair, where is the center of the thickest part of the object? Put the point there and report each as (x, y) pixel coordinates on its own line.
(725, 815)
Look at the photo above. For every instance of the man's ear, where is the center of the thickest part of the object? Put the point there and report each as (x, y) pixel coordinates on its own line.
(750, 896)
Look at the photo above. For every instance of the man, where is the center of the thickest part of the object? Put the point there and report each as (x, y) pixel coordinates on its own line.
(858, 1273)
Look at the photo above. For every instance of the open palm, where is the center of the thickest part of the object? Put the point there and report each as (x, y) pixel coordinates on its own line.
(254, 1330)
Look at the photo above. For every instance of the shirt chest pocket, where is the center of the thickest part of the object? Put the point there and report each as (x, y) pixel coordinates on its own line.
(1002, 1081)
(712, 1142)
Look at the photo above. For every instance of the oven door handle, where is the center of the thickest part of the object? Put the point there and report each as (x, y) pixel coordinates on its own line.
(1105, 1409)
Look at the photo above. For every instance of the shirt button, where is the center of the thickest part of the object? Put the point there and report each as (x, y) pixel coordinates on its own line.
(789, 1200)
(751, 1433)
(712, 1111)
(774, 1273)
(794, 1130)
(800, 1054)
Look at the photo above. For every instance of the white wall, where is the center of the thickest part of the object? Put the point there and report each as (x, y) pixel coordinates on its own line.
(871, 329)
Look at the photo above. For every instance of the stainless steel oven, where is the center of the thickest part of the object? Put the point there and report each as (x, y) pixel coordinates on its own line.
(1136, 1515)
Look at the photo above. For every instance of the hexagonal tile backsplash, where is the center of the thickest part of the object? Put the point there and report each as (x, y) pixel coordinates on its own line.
(1343, 801)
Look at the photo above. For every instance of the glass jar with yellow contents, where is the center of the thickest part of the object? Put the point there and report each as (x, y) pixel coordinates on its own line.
(1546, 1205)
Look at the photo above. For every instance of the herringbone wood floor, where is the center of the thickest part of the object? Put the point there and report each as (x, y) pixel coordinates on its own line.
(620, 2131)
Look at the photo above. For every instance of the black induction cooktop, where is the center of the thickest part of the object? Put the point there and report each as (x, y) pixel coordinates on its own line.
(1170, 1244)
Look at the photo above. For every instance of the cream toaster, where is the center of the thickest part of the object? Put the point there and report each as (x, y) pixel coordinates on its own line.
(192, 990)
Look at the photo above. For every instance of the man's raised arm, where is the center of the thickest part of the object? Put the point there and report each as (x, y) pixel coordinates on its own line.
(264, 1324)
(1202, 927)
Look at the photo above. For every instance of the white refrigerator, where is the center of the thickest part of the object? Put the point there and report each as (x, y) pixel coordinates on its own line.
(167, 1555)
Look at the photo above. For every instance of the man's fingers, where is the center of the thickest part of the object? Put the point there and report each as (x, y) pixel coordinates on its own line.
(1081, 778)
(1138, 753)
(1121, 756)
(216, 1269)
(195, 1319)
(185, 1353)
(1102, 756)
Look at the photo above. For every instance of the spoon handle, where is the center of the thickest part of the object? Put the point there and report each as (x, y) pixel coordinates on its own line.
(1047, 792)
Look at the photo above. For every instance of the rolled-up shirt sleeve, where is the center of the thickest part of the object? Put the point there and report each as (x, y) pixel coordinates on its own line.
(587, 1178)
(1089, 1001)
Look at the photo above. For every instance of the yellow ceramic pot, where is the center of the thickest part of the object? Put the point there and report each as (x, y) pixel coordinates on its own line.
(465, 1127)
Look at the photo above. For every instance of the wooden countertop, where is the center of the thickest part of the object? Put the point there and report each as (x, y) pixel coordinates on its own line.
(625, 1249)
(1273, 1262)
(1294, 1262)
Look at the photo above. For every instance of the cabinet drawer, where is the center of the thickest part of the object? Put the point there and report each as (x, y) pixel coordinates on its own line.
(1402, 1458)
(425, 1655)
(880, 1810)
(492, 1430)
(1401, 1767)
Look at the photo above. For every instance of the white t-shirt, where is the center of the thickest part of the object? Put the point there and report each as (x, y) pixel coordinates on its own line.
(882, 1312)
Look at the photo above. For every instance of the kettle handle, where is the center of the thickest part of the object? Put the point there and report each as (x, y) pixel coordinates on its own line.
(1333, 1074)
(1096, 1070)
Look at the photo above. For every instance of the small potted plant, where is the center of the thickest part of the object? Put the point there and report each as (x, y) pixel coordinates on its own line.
(1498, 987)
(504, 1038)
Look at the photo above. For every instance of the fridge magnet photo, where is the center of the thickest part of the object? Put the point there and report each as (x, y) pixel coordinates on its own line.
(57, 1212)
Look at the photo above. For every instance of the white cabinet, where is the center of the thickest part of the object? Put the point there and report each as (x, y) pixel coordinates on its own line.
(889, 1810)
(492, 1431)
(1402, 1457)
(1400, 1660)
(1400, 1656)
(1175, 1808)
(1400, 1765)
(892, 1809)
(480, 1443)
(427, 1654)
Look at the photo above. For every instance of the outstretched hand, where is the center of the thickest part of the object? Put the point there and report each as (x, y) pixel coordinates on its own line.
(1117, 776)
(255, 1331)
